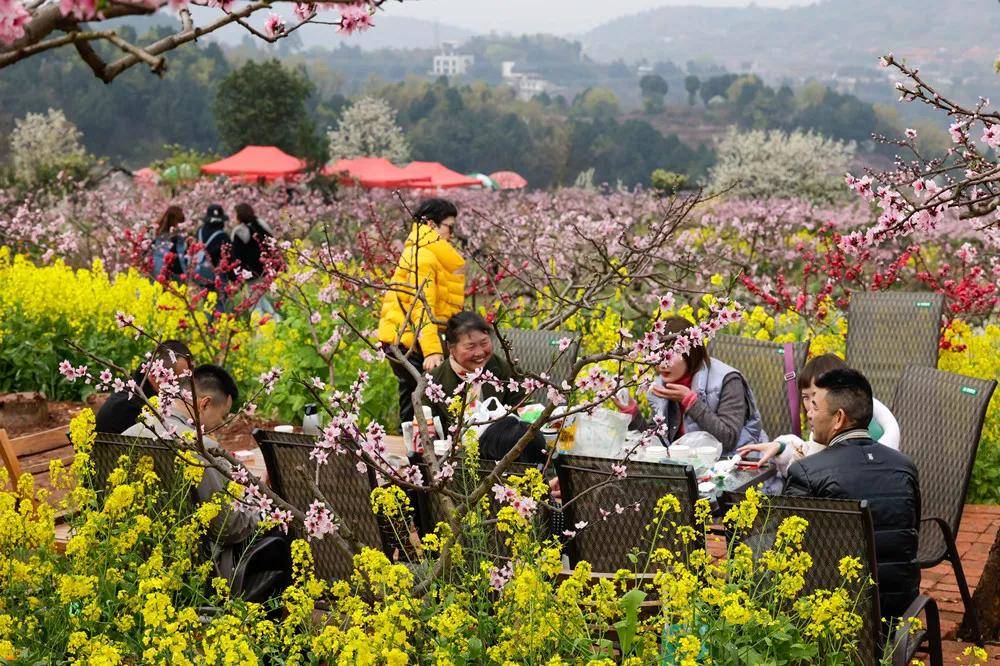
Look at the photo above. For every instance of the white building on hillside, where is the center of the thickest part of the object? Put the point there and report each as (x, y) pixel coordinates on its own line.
(526, 84)
(451, 63)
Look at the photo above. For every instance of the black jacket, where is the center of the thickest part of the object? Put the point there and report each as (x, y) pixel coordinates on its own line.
(213, 249)
(120, 412)
(246, 247)
(445, 375)
(858, 468)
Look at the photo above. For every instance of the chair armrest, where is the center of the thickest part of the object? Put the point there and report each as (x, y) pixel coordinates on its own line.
(949, 537)
(902, 648)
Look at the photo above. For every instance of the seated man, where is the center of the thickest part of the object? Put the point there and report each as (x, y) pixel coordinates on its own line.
(852, 466)
(120, 412)
(215, 391)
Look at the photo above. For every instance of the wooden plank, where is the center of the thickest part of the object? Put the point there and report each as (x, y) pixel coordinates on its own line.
(9, 458)
(42, 467)
(40, 442)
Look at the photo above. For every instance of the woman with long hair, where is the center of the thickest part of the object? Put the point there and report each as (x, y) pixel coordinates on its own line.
(168, 250)
(247, 237)
(697, 393)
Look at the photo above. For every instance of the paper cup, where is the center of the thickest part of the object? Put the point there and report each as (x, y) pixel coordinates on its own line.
(681, 453)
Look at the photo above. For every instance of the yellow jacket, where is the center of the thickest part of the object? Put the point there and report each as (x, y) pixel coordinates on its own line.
(431, 264)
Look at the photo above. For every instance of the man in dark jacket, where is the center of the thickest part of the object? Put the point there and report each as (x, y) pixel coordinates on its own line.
(209, 233)
(121, 410)
(854, 467)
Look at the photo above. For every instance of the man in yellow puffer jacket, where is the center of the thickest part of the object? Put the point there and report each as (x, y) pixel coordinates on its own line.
(432, 267)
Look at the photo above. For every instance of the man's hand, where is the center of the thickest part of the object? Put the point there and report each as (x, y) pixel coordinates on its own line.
(767, 451)
(433, 361)
(675, 392)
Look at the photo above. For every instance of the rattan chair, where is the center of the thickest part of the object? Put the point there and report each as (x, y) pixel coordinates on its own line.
(763, 365)
(889, 330)
(838, 529)
(941, 417)
(109, 449)
(347, 491)
(588, 486)
(536, 351)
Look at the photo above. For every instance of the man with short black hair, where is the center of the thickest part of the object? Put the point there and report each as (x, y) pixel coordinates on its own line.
(214, 392)
(852, 466)
(121, 410)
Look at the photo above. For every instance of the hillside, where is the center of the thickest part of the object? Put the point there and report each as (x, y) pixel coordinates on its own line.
(830, 40)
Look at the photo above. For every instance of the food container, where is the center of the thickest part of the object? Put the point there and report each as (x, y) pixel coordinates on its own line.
(601, 434)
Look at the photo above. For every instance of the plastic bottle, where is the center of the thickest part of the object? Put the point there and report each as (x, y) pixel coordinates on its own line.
(310, 422)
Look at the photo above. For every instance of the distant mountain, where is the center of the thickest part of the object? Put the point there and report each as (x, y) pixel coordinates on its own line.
(829, 36)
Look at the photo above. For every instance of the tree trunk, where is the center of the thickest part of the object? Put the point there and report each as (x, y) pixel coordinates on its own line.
(986, 599)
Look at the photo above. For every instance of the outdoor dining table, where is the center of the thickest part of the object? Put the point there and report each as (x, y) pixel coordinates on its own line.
(737, 481)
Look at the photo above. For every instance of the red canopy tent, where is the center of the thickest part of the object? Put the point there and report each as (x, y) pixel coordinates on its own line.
(440, 176)
(255, 162)
(369, 172)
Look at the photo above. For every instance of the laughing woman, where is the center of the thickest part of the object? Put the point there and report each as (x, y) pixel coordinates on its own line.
(470, 348)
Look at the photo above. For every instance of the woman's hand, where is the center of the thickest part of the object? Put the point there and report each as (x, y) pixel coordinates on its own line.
(433, 361)
(674, 392)
(554, 490)
(767, 450)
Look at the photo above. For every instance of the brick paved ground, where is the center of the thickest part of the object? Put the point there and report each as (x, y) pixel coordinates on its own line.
(975, 537)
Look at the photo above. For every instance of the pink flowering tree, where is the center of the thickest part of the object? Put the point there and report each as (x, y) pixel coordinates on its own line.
(612, 253)
(28, 27)
(357, 282)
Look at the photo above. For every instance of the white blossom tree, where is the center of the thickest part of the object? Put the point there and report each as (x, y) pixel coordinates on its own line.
(368, 128)
(764, 164)
(44, 144)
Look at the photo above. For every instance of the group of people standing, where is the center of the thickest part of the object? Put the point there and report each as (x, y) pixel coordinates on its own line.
(852, 452)
(173, 259)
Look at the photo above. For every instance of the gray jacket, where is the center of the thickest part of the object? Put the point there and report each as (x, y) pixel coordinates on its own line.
(229, 531)
(726, 407)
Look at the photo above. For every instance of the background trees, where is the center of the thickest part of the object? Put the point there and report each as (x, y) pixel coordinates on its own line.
(265, 104)
(654, 88)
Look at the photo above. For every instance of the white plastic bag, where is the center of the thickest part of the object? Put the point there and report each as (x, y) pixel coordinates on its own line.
(705, 448)
(601, 434)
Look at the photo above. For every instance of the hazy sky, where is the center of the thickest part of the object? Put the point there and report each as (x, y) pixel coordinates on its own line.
(552, 16)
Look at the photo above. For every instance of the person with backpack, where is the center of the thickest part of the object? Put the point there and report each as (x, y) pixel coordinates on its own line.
(248, 235)
(211, 237)
(169, 250)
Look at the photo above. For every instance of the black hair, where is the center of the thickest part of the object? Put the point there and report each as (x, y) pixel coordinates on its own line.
(849, 390)
(463, 323)
(215, 381)
(245, 215)
(697, 356)
(500, 437)
(817, 366)
(435, 210)
(178, 349)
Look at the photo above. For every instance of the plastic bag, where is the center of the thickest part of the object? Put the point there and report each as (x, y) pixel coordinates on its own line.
(601, 434)
(699, 442)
